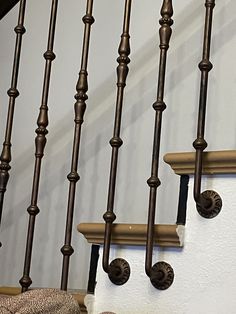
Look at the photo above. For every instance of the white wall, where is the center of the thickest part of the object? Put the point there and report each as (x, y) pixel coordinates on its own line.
(179, 120)
(205, 269)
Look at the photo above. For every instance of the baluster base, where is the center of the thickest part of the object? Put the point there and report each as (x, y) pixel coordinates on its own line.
(119, 271)
(162, 275)
(214, 207)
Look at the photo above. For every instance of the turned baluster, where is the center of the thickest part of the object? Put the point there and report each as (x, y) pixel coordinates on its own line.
(40, 142)
(118, 270)
(79, 107)
(13, 93)
(161, 273)
(208, 202)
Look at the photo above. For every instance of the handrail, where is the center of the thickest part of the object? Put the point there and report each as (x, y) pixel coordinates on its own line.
(208, 202)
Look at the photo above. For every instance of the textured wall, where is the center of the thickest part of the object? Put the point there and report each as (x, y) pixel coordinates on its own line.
(205, 269)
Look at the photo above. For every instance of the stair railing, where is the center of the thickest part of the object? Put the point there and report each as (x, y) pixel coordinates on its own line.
(208, 203)
(118, 270)
(161, 273)
(40, 142)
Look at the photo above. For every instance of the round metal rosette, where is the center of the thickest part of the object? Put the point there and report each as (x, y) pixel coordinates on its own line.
(162, 275)
(119, 271)
(214, 207)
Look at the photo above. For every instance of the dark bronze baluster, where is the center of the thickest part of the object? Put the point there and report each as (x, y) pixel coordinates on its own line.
(13, 93)
(119, 270)
(40, 142)
(161, 274)
(73, 176)
(209, 202)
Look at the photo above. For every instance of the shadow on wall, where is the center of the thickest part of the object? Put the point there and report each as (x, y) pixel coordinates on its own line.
(97, 130)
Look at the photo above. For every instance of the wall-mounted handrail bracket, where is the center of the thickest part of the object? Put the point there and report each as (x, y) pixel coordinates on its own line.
(162, 275)
(119, 270)
(158, 274)
(209, 202)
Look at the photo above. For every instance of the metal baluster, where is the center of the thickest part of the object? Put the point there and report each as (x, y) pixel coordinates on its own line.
(161, 274)
(209, 202)
(118, 270)
(40, 142)
(13, 93)
(80, 107)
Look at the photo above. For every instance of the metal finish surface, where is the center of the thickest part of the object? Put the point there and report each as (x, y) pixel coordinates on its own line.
(122, 72)
(40, 142)
(13, 93)
(119, 271)
(162, 275)
(79, 107)
(214, 208)
(208, 204)
(159, 106)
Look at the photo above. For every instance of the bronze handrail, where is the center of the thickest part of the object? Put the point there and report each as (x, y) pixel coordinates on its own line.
(40, 142)
(79, 107)
(161, 274)
(13, 93)
(118, 270)
(208, 202)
